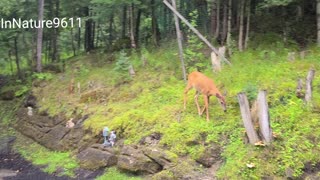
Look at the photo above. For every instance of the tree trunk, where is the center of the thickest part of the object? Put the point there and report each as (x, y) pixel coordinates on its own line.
(179, 39)
(241, 27)
(246, 41)
(17, 57)
(10, 61)
(124, 22)
(72, 42)
(39, 36)
(138, 20)
(224, 22)
(264, 119)
(217, 30)
(310, 77)
(79, 38)
(133, 42)
(55, 45)
(246, 117)
(229, 27)
(110, 30)
(318, 22)
(213, 17)
(155, 27)
(195, 31)
(88, 41)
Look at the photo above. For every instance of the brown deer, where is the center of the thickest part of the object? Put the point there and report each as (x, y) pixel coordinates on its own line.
(203, 85)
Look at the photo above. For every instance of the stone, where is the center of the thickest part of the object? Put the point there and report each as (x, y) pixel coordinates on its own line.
(31, 101)
(52, 139)
(6, 144)
(210, 156)
(160, 156)
(94, 159)
(133, 160)
(7, 95)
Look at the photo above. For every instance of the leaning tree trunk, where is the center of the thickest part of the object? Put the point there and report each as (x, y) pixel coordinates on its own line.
(318, 22)
(39, 36)
(179, 39)
(246, 117)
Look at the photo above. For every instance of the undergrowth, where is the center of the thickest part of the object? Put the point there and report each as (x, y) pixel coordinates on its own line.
(152, 101)
(61, 163)
(114, 174)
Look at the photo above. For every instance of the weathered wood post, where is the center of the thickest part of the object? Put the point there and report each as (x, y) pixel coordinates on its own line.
(309, 85)
(246, 117)
(299, 89)
(264, 119)
(216, 65)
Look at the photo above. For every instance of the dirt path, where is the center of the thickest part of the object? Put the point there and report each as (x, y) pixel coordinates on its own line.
(13, 166)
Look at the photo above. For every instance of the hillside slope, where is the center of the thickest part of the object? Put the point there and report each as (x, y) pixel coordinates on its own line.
(152, 102)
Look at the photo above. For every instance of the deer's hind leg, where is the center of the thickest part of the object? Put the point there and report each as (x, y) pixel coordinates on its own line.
(186, 90)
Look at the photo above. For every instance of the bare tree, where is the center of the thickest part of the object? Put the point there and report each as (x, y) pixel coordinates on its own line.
(39, 36)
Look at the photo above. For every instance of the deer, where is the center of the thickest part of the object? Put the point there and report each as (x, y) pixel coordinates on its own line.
(205, 86)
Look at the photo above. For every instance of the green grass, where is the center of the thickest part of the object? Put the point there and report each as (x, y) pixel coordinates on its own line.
(152, 101)
(62, 163)
(114, 174)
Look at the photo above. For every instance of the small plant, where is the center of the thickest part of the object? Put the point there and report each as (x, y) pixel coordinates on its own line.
(42, 76)
(23, 90)
(123, 62)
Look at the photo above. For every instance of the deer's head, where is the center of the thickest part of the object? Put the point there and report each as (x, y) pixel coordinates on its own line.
(222, 102)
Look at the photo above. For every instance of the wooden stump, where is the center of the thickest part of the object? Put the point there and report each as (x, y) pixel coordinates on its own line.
(309, 86)
(216, 64)
(246, 117)
(264, 119)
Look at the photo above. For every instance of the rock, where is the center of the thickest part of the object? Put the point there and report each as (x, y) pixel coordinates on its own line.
(152, 139)
(6, 143)
(7, 95)
(52, 139)
(31, 101)
(289, 173)
(94, 159)
(210, 156)
(160, 156)
(134, 160)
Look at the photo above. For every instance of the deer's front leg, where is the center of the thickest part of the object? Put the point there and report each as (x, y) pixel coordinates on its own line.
(204, 108)
(197, 103)
(206, 105)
